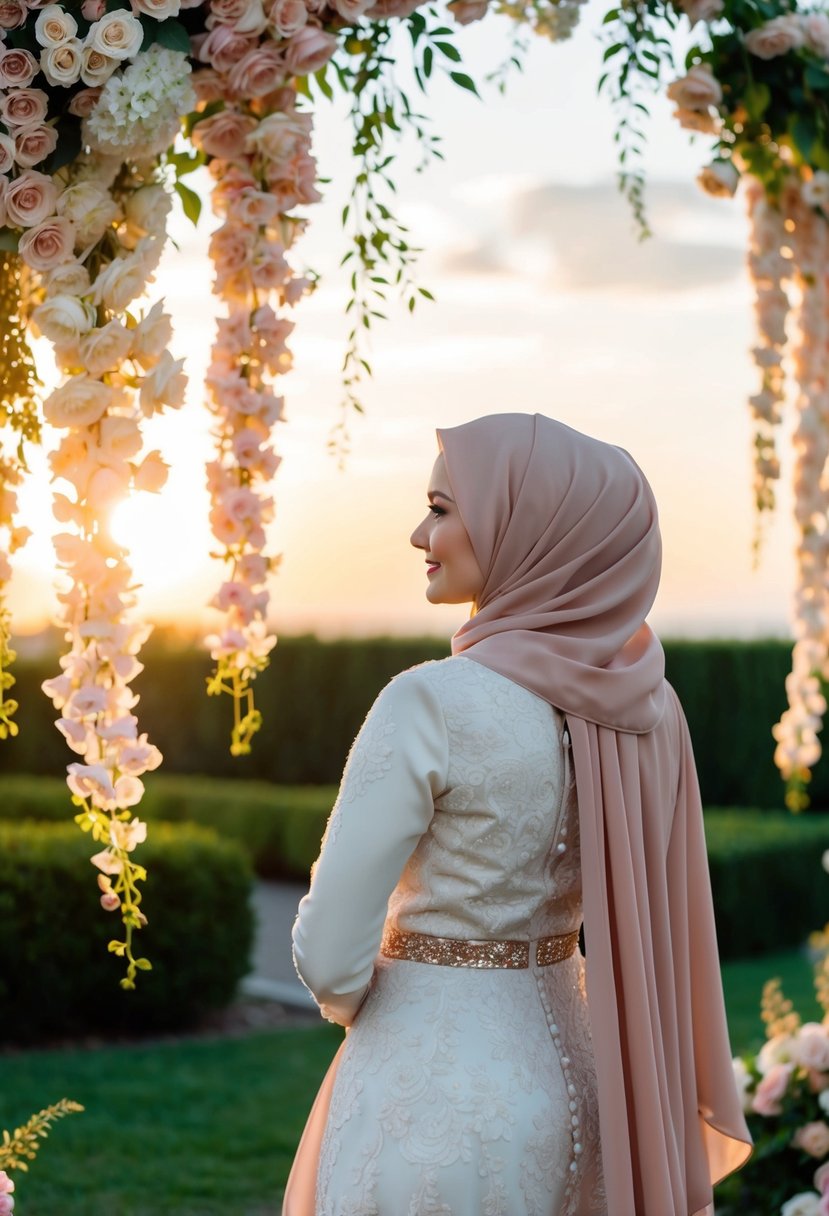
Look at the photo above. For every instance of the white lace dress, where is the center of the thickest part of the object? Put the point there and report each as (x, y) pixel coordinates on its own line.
(460, 1091)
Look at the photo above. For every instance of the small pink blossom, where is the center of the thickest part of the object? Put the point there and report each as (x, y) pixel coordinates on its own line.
(110, 902)
(770, 1090)
(107, 863)
(813, 1138)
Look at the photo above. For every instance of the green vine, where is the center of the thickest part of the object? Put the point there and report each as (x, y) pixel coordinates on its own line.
(635, 57)
(20, 1147)
(235, 681)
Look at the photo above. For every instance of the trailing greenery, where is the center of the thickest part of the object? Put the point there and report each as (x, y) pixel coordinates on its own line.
(20, 1147)
(56, 976)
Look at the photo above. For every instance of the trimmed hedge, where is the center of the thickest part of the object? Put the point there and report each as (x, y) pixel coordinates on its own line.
(769, 888)
(56, 976)
(315, 695)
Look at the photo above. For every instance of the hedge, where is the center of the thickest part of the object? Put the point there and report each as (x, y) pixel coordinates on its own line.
(315, 695)
(56, 976)
(769, 888)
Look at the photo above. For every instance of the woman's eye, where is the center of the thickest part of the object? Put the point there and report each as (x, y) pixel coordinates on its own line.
(436, 510)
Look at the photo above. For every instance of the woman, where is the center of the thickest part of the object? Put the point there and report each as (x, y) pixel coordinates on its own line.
(481, 1075)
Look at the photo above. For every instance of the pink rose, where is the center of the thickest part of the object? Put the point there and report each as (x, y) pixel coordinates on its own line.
(351, 10)
(7, 151)
(813, 1138)
(223, 134)
(17, 68)
(23, 107)
(254, 208)
(467, 11)
(812, 1047)
(4, 185)
(231, 248)
(392, 8)
(48, 244)
(769, 1092)
(823, 1206)
(6, 1205)
(84, 102)
(12, 14)
(30, 198)
(243, 15)
(33, 144)
(209, 85)
(308, 50)
(223, 47)
(258, 72)
(815, 27)
(93, 10)
(285, 17)
(821, 1179)
(776, 37)
(701, 10)
(698, 90)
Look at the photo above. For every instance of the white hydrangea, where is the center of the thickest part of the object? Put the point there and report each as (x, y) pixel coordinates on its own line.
(139, 110)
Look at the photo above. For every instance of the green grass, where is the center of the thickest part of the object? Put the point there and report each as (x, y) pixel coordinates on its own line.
(198, 1128)
(209, 1127)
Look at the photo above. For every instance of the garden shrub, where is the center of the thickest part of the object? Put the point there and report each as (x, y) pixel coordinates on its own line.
(56, 976)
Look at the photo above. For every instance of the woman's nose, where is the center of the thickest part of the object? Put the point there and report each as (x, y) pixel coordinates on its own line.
(417, 538)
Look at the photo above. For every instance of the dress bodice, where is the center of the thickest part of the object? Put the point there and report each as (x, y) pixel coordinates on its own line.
(499, 858)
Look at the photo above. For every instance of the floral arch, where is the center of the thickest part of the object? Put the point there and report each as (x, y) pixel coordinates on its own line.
(106, 107)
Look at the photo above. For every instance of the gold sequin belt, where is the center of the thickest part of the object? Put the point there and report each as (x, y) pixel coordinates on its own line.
(452, 952)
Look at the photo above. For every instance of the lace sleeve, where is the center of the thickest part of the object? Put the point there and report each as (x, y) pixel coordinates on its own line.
(396, 769)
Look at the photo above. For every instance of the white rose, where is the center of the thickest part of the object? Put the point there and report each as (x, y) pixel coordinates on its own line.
(147, 209)
(151, 337)
(71, 279)
(151, 474)
(118, 284)
(79, 402)
(61, 65)
(104, 350)
(118, 34)
(164, 386)
(62, 319)
(96, 67)
(811, 1047)
(720, 179)
(807, 1203)
(776, 37)
(119, 437)
(160, 9)
(54, 26)
(91, 209)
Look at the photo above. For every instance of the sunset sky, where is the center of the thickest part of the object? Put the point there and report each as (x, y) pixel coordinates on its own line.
(545, 302)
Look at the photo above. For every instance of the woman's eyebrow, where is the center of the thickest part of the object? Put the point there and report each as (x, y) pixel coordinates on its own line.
(438, 494)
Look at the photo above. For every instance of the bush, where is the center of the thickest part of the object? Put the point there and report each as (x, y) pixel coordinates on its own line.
(56, 976)
(766, 877)
(280, 827)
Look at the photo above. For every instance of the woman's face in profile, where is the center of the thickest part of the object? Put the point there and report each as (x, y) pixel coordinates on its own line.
(451, 566)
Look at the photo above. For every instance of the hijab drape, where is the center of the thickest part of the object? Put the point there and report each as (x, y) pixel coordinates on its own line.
(566, 533)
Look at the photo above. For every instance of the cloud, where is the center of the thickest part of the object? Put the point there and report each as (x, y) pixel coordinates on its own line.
(582, 238)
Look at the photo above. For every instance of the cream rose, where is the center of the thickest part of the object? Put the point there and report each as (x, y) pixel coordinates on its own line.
(13, 14)
(54, 26)
(103, 350)
(811, 1047)
(118, 284)
(118, 34)
(807, 1203)
(70, 278)
(18, 69)
(33, 144)
(697, 120)
(223, 134)
(815, 27)
(23, 107)
(79, 402)
(286, 17)
(813, 1138)
(61, 65)
(48, 244)
(151, 474)
(146, 210)
(164, 385)
(7, 151)
(29, 199)
(151, 336)
(96, 69)
(120, 438)
(280, 136)
(160, 9)
(352, 10)
(720, 179)
(258, 72)
(91, 209)
(701, 10)
(698, 90)
(309, 50)
(776, 37)
(63, 319)
(85, 101)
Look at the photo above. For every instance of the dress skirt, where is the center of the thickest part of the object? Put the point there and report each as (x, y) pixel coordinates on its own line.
(464, 1092)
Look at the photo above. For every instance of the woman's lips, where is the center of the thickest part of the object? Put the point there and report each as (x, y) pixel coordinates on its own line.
(431, 567)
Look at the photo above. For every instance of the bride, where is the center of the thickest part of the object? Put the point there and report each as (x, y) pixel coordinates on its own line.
(541, 776)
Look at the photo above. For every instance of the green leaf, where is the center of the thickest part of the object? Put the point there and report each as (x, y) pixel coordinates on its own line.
(613, 50)
(322, 82)
(450, 51)
(817, 77)
(756, 99)
(428, 58)
(803, 130)
(190, 202)
(465, 82)
(9, 239)
(611, 16)
(172, 35)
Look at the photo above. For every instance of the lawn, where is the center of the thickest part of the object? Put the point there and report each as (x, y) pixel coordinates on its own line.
(209, 1127)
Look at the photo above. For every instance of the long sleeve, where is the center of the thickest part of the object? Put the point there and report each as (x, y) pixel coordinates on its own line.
(396, 769)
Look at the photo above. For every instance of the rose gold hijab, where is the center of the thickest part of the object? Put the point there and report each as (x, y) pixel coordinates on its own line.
(565, 530)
